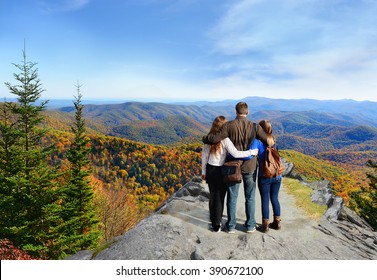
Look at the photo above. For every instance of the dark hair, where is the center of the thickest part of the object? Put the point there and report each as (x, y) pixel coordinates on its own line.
(242, 108)
(217, 124)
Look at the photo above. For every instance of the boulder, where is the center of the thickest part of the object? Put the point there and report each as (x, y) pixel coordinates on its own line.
(180, 230)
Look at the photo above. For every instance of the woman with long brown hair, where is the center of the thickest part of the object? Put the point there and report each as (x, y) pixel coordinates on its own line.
(268, 187)
(213, 157)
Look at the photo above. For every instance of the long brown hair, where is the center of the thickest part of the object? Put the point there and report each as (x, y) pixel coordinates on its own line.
(267, 127)
(216, 126)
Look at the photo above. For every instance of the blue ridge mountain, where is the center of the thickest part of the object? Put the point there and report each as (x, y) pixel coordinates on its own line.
(308, 126)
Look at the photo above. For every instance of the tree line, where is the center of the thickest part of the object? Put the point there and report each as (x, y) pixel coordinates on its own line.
(61, 192)
(47, 211)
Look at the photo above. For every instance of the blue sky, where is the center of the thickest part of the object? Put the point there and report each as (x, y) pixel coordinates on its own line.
(194, 49)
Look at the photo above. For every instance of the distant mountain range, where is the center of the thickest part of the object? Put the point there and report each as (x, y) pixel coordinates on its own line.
(365, 111)
(308, 126)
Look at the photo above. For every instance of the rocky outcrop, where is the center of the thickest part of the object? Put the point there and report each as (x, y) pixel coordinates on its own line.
(180, 229)
(342, 223)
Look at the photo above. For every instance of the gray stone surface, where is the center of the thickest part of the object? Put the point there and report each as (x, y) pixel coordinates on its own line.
(180, 230)
(288, 167)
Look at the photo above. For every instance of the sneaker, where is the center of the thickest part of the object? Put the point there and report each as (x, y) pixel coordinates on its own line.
(251, 230)
(230, 231)
(216, 228)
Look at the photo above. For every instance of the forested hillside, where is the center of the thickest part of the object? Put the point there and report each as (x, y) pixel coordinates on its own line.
(63, 189)
(310, 132)
(337, 135)
(130, 178)
(72, 179)
(172, 129)
(151, 173)
(128, 158)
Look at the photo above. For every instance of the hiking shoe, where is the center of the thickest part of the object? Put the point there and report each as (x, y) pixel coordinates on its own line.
(251, 230)
(216, 228)
(276, 223)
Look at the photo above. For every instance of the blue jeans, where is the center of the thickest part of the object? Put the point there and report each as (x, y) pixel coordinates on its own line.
(269, 190)
(249, 182)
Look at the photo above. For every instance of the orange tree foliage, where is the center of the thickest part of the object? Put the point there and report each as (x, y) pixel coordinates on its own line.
(10, 252)
(343, 179)
(145, 175)
(115, 209)
(149, 173)
(354, 160)
(365, 200)
(129, 179)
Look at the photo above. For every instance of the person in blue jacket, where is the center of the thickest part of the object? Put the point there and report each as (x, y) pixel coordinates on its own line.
(268, 187)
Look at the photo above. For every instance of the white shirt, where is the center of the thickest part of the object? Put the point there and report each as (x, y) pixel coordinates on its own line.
(218, 159)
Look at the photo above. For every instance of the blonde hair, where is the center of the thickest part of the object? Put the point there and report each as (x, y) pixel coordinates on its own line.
(216, 126)
(267, 127)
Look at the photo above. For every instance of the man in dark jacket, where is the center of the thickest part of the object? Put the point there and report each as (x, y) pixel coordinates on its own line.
(242, 133)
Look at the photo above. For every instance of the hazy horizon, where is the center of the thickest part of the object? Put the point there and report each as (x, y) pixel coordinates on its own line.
(55, 103)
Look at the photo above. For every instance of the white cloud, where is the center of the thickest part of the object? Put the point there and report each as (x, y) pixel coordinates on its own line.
(62, 5)
(279, 27)
(311, 48)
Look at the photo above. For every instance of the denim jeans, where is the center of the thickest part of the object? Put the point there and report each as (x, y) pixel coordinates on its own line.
(249, 182)
(269, 190)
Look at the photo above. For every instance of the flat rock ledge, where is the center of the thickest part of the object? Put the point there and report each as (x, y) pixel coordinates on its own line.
(180, 230)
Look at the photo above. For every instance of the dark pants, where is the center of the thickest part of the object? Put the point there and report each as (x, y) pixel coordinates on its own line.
(217, 192)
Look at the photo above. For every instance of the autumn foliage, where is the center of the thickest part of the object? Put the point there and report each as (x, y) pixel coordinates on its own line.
(129, 179)
(148, 173)
(10, 252)
(344, 179)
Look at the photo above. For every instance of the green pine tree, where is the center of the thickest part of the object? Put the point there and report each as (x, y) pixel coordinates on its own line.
(80, 228)
(10, 163)
(29, 181)
(365, 200)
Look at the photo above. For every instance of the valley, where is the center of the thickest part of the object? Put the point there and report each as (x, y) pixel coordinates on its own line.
(142, 153)
(139, 140)
(319, 127)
